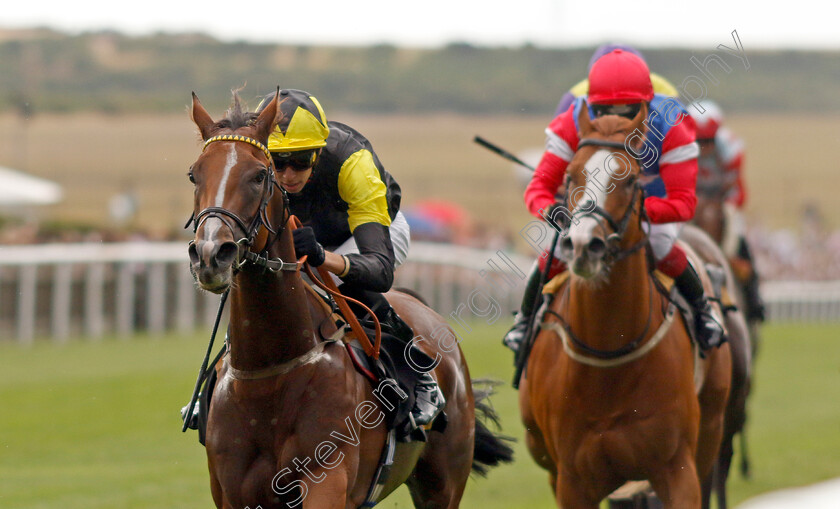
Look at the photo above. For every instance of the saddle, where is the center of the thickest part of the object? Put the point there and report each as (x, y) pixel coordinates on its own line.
(390, 366)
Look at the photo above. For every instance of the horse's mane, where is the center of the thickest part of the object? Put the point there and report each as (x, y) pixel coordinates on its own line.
(236, 116)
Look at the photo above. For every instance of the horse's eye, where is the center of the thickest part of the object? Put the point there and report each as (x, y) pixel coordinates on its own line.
(260, 177)
(191, 176)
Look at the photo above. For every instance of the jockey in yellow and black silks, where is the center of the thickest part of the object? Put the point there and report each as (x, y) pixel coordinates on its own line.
(350, 208)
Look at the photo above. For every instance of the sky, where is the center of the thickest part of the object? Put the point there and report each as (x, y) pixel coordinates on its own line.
(430, 23)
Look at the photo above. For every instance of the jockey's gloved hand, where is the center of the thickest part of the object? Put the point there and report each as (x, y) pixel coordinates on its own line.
(305, 244)
(558, 216)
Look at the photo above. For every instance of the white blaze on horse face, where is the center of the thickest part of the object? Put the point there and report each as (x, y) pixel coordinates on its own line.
(213, 224)
(581, 232)
(229, 164)
(211, 228)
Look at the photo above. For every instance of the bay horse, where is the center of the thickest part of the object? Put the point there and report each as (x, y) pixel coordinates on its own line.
(291, 422)
(711, 218)
(609, 394)
(709, 214)
(740, 347)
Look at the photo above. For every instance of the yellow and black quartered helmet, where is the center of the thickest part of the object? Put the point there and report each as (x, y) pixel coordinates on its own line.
(303, 125)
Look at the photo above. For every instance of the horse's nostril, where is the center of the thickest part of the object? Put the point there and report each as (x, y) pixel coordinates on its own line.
(193, 251)
(226, 254)
(597, 247)
(566, 246)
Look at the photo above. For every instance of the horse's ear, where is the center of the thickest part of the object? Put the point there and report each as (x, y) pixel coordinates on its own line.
(584, 122)
(201, 118)
(267, 119)
(640, 117)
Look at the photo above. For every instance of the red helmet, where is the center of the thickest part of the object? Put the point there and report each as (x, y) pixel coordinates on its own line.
(619, 77)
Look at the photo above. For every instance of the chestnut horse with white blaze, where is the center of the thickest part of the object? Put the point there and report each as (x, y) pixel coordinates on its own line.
(292, 423)
(609, 394)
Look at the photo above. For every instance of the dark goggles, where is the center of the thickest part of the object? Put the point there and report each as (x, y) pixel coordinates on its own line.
(622, 110)
(301, 160)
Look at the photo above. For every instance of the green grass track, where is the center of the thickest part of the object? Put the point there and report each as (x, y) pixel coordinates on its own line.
(95, 424)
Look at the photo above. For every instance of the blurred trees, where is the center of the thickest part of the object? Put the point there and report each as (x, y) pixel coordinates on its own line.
(109, 72)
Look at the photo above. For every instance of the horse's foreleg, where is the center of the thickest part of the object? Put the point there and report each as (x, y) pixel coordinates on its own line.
(329, 493)
(569, 494)
(722, 475)
(534, 440)
(745, 457)
(678, 486)
(216, 489)
(713, 401)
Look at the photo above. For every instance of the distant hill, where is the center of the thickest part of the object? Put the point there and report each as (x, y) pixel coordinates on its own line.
(44, 70)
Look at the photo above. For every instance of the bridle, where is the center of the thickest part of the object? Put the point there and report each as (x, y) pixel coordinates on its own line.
(633, 349)
(614, 252)
(250, 230)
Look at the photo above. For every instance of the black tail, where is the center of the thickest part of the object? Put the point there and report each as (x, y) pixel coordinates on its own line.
(490, 449)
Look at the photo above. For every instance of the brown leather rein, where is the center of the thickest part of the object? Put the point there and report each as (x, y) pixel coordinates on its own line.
(329, 286)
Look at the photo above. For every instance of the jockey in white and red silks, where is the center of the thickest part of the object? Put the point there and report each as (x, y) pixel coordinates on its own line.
(720, 169)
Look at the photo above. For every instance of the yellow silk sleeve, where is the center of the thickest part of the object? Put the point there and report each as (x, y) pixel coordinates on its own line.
(580, 89)
(662, 86)
(361, 187)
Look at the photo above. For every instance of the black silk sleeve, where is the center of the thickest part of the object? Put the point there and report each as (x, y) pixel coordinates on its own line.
(373, 267)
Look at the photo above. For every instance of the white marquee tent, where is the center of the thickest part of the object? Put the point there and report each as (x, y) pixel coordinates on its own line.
(20, 189)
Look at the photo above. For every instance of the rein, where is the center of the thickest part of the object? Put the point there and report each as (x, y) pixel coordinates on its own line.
(328, 285)
(203, 371)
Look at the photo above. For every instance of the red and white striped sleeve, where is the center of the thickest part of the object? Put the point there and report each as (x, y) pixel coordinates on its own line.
(560, 145)
(678, 170)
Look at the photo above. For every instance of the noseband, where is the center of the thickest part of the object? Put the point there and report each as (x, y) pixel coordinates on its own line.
(260, 219)
(614, 252)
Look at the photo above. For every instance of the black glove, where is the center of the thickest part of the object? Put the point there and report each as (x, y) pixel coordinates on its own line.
(558, 216)
(305, 244)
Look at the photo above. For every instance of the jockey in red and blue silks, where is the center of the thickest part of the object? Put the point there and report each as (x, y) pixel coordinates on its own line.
(619, 82)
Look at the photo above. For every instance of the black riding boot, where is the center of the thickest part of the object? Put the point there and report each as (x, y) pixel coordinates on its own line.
(755, 305)
(516, 335)
(709, 330)
(428, 398)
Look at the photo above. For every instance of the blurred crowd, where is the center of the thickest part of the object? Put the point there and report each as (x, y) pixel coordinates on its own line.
(812, 252)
